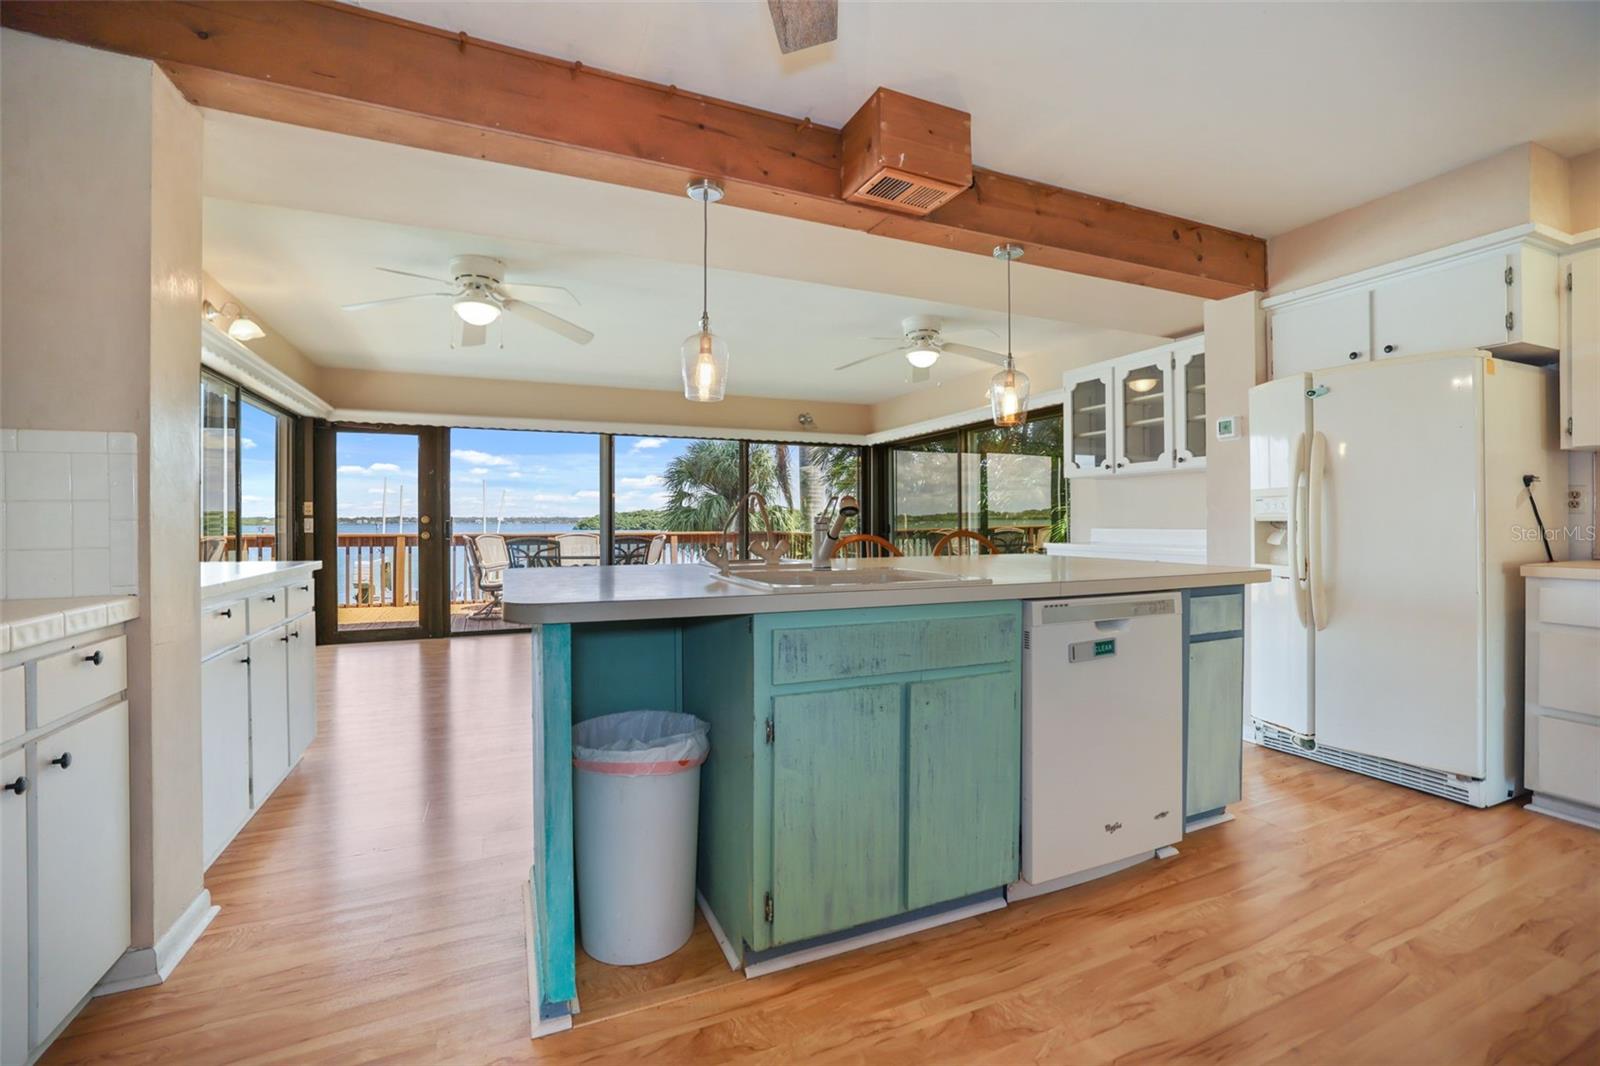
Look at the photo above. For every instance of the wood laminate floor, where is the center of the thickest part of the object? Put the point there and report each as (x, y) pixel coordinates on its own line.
(372, 911)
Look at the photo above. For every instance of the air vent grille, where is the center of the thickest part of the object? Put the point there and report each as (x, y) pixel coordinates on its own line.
(888, 188)
(1423, 780)
(902, 191)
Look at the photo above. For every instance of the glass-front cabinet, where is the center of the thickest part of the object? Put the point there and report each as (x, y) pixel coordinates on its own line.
(1144, 411)
(1189, 407)
(1088, 421)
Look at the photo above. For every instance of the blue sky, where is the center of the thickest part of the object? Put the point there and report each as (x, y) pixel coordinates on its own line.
(539, 473)
(258, 467)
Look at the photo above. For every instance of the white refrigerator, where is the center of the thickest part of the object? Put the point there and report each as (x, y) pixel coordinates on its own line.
(1388, 499)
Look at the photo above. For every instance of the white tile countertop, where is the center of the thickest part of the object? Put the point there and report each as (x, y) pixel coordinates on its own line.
(227, 579)
(691, 590)
(26, 623)
(1576, 570)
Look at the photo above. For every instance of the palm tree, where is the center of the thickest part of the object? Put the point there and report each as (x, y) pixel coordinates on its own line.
(703, 484)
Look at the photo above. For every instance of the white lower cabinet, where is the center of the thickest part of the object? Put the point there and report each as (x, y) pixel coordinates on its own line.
(14, 909)
(269, 713)
(224, 747)
(83, 860)
(302, 685)
(257, 711)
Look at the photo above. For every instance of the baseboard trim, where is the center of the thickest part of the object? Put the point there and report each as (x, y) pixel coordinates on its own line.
(877, 936)
(1020, 890)
(143, 967)
(1566, 810)
(716, 930)
(1207, 821)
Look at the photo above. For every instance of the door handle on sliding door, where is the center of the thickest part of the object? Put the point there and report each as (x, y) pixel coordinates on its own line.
(1314, 561)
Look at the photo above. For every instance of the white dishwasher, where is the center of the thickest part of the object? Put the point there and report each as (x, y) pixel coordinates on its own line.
(1102, 732)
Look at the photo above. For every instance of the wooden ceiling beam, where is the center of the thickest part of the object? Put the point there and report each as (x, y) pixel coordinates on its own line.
(347, 70)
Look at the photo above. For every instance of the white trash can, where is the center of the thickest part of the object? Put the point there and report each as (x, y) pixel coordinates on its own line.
(636, 808)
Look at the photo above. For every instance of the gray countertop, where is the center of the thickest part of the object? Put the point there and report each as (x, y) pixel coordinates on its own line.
(229, 579)
(692, 590)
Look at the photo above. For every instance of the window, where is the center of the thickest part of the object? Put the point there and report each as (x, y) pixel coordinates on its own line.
(245, 497)
(797, 481)
(1006, 484)
(679, 488)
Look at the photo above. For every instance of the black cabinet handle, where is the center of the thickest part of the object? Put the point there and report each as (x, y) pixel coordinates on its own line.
(295, 634)
(19, 786)
(1183, 458)
(1388, 349)
(225, 613)
(97, 658)
(64, 760)
(272, 598)
(1355, 355)
(283, 639)
(246, 659)
(305, 588)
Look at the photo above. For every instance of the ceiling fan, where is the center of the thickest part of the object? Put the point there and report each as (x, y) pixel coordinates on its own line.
(479, 292)
(923, 344)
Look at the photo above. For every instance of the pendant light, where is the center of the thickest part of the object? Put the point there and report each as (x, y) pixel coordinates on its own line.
(704, 354)
(1008, 390)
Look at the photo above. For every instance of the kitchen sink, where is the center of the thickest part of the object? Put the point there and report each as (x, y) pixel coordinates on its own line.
(804, 578)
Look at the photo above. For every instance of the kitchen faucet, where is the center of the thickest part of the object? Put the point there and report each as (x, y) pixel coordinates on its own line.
(769, 548)
(827, 527)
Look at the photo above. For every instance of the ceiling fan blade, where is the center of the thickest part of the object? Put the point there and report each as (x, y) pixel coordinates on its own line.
(544, 294)
(983, 355)
(540, 317)
(364, 305)
(424, 277)
(471, 336)
(868, 358)
(804, 23)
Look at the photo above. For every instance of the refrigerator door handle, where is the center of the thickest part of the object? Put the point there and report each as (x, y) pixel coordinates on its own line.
(1297, 562)
(1319, 592)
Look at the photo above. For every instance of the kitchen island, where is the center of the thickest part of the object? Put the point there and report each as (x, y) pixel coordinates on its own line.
(904, 696)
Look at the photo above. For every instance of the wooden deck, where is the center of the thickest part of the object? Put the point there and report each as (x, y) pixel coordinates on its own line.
(463, 618)
(373, 911)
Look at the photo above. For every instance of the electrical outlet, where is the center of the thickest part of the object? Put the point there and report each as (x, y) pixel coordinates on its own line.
(1577, 499)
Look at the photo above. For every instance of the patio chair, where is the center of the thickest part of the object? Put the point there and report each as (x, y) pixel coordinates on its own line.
(630, 549)
(489, 557)
(658, 548)
(864, 546)
(579, 549)
(965, 542)
(534, 553)
(1009, 540)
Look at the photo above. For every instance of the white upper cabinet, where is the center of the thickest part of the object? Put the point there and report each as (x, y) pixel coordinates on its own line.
(1580, 349)
(1320, 334)
(1143, 416)
(1088, 421)
(1141, 413)
(1502, 298)
(1189, 409)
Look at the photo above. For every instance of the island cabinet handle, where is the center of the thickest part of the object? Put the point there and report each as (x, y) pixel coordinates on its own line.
(226, 612)
(245, 660)
(1388, 349)
(305, 588)
(19, 786)
(64, 760)
(97, 658)
(295, 634)
(273, 598)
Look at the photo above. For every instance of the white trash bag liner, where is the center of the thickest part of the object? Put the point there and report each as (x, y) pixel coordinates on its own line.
(640, 743)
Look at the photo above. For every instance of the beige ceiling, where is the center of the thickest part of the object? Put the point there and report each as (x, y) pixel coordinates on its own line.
(297, 221)
(1257, 117)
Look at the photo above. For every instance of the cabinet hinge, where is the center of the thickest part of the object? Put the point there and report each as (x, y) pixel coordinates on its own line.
(766, 908)
(1509, 275)
(770, 731)
(1511, 317)
(1569, 281)
(1569, 425)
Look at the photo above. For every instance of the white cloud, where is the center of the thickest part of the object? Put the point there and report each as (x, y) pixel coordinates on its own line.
(246, 443)
(477, 458)
(647, 442)
(646, 482)
(384, 468)
(587, 494)
(352, 470)
(478, 471)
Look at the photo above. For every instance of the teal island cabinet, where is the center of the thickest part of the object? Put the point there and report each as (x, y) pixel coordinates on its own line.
(865, 764)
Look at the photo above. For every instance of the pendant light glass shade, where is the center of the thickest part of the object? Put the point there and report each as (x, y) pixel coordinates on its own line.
(1008, 390)
(704, 354)
(1008, 397)
(705, 364)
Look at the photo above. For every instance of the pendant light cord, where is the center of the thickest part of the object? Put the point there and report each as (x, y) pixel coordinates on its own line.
(705, 257)
(1008, 310)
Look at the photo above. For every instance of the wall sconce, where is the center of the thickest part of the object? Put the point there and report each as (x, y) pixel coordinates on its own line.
(241, 327)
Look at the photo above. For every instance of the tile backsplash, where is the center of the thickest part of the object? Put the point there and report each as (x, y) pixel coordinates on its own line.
(69, 514)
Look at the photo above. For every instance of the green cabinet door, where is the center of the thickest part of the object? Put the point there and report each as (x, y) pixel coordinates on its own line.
(963, 787)
(1215, 724)
(836, 809)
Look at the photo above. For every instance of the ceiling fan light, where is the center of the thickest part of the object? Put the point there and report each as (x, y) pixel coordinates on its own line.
(1008, 397)
(922, 356)
(476, 310)
(245, 328)
(705, 365)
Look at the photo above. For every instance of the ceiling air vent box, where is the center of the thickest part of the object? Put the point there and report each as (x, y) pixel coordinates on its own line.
(905, 154)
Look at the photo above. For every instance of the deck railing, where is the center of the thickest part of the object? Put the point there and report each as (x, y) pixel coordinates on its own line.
(380, 569)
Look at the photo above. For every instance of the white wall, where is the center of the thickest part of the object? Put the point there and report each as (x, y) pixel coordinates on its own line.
(1236, 360)
(1151, 501)
(100, 330)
